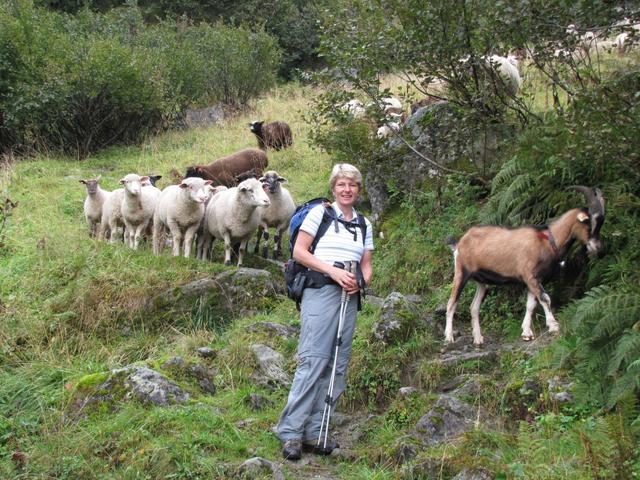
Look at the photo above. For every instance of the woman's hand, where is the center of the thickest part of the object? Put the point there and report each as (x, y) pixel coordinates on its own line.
(345, 280)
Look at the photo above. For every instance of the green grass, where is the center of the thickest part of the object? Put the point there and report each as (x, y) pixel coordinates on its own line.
(73, 308)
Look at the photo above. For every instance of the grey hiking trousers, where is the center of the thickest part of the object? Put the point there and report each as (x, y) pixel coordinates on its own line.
(320, 311)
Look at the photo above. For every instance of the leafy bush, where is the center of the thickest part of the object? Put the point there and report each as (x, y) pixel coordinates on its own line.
(79, 84)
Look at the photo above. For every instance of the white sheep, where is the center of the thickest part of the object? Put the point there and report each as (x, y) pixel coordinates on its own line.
(354, 108)
(387, 129)
(203, 237)
(508, 70)
(277, 215)
(93, 204)
(180, 209)
(233, 215)
(112, 224)
(137, 207)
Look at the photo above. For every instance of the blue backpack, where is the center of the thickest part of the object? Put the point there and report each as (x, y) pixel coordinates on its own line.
(295, 274)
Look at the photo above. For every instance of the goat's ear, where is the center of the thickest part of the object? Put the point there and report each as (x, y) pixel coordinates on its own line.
(583, 217)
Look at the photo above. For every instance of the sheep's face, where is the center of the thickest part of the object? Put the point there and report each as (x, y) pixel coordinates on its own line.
(92, 185)
(256, 126)
(253, 193)
(197, 190)
(271, 182)
(133, 183)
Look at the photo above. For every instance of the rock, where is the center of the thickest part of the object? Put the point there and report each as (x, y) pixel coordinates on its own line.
(257, 402)
(202, 117)
(449, 418)
(454, 358)
(270, 364)
(232, 293)
(257, 467)
(206, 352)
(404, 452)
(406, 391)
(200, 374)
(397, 320)
(473, 474)
(377, 302)
(284, 331)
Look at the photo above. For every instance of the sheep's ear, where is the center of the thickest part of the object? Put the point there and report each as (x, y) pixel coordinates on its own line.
(83, 181)
(208, 182)
(183, 185)
(122, 181)
(199, 169)
(145, 179)
(243, 188)
(583, 217)
(282, 180)
(98, 178)
(261, 179)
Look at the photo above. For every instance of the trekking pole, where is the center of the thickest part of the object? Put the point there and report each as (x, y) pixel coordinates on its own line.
(344, 302)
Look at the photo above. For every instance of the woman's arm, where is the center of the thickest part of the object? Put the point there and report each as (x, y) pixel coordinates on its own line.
(366, 265)
(301, 253)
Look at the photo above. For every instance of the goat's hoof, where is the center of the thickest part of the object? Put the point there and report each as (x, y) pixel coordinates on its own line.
(527, 338)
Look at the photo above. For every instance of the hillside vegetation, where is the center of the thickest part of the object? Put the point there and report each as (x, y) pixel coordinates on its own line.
(75, 309)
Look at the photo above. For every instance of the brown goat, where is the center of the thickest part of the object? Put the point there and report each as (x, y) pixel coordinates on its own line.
(274, 135)
(499, 255)
(226, 171)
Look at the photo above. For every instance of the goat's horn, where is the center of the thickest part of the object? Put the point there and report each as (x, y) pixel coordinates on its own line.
(594, 198)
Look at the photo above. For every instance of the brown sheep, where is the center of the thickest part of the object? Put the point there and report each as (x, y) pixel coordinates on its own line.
(226, 171)
(274, 135)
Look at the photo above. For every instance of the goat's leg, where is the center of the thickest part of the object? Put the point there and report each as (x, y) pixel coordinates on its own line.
(527, 333)
(459, 281)
(536, 288)
(481, 290)
(550, 320)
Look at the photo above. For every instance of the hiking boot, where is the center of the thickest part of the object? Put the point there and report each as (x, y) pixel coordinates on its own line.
(312, 446)
(292, 450)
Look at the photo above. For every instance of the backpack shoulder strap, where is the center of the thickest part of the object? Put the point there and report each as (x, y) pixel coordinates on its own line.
(363, 226)
(327, 218)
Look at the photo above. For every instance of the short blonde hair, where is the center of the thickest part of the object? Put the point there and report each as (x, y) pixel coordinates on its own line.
(345, 170)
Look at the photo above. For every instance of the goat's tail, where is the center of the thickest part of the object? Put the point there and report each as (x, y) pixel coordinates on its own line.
(451, 242)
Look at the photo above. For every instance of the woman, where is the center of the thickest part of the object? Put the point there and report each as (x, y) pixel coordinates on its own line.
(300, 422)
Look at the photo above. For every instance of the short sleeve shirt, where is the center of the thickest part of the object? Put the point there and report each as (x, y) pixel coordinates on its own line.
(338, 246)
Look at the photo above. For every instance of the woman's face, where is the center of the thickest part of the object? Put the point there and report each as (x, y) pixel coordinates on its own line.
(345, 191)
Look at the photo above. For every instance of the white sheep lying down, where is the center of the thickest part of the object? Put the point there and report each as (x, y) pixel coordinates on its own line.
(137, 207)
(180, 209)
(233, 215)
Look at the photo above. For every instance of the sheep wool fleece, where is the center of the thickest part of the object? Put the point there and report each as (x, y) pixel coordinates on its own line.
(320, 310)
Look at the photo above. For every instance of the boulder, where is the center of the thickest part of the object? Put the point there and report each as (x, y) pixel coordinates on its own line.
(231, 294)
(448, 419)
(258, 467)
(397, 319)
(270, 373)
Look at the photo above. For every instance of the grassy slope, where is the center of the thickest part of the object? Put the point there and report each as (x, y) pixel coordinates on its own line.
(72, 307)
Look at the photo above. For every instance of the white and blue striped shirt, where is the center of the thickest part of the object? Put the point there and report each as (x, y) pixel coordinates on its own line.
(340, 246)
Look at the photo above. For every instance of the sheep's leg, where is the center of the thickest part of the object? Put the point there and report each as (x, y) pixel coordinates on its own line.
(481, 290)
(459, 281)
(527, 333)
(227, 249)
(139, 230)
(265, 249)
(241, 250)
(258, 240)
(203, 244)
(277, 245)
(129, 234)
(188, 239)
(176, 234)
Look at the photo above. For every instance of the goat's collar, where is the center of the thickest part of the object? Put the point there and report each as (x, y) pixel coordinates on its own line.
(548, 236)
